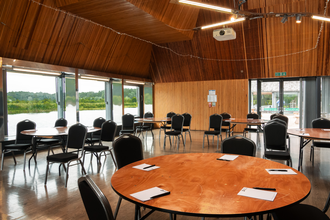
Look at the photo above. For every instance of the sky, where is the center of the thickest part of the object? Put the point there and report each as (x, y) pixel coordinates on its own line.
(38, 83)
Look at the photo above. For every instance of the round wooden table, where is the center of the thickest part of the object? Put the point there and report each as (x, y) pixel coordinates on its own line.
(306, 135)
(201, 185)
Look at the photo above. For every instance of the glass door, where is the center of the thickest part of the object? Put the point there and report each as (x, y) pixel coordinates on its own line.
(270, 99)
(291, 102)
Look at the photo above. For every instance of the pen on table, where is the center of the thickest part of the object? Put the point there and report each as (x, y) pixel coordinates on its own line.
(222, 159)
(272, 189)
(149, 166)
(163, 194)
(278, 170)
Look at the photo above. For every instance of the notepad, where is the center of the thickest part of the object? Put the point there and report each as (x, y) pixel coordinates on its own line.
(146, 195)
(325, 129)
(250, 118)
(258, 194)
(142, 166)
(279, 171)
(228, 157)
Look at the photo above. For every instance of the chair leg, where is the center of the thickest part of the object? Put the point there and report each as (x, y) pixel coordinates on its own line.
(113, 159)
(152, 134)
(67, 175)
(184, 143)
(47, 168)
(164, 141)
(178, 137)
(2, 159)
(208, 142)
(82, 166)
(217, 142)
(13, 154)
(117, 208)
(190, 136)
(169, 137)
(24, 159)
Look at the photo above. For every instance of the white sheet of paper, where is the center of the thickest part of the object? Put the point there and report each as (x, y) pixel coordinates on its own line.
(146, 194)
(305, 134)
(288, 171)
(258, 194)
(250, 118)
(228, 157)
(232, 119)
(141, 166)
(325, 129)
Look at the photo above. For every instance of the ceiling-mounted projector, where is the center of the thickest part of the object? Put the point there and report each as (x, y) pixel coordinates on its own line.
(224, 34)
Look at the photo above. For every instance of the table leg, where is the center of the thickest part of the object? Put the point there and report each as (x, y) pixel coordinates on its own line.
(303, 143)
(137, 212)
(34, 150)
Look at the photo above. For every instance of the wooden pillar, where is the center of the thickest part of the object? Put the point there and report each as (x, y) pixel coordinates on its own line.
(122, 95)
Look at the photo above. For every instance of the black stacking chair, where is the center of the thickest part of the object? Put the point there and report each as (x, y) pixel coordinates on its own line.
(302, 212)
(95, 136)
(75, 142)
(54, 141)
(146, 126)
(127, 124)
(319, 123)
(238, 145)
(251, 128)
(127, 149)
(166, 126)
(186, 125)
(22, 142)
(96, 204)
(215, 124)
(275, 134)
(108, 133)
(226, 127)
(176, 130)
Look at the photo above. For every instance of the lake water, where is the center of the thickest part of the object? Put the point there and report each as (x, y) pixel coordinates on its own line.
(87, 117)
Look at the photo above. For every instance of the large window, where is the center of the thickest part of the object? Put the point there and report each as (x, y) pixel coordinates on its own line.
(148, 98)
(91, 101)
(325, 97)
(30, 97)
(117, 100)
(132, 100)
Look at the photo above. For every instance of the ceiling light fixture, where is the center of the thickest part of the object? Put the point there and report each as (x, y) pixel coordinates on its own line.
(284, 19)
(37, 71)
(95, 78)
(217, 8)
(223, 23)
(320, 18)
(298, 18)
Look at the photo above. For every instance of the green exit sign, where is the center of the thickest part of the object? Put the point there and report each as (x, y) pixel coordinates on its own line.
(280, 73)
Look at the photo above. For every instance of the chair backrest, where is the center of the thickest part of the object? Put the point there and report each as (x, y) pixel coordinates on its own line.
(148, 115)
(21, 126)
(127, 121)
(275, 134)
(108, 131)
(127, 149)
(61, 122)
(238, 145)
(177, 122)
(169, 115)
(98, 123)
(187, 119)
(76, 136)
(225, 115)
(215, 122)
(321, 123)
(252, 115)
(280, 121)
(282, 117)
(96, 204)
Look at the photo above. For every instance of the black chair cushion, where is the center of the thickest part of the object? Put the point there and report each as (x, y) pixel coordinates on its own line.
(17, 146)
(212, 132)
(173, 132)
(166, 127)
(143, 127)
(251, 129)
(225, 129)
(62, 157)
(96, 148)
(277, 155)
(185, 129)
(300, 212)
(321, 144)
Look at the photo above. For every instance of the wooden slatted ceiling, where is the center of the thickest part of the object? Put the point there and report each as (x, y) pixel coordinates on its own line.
(36, 33)
(126, 17)
(260, 38)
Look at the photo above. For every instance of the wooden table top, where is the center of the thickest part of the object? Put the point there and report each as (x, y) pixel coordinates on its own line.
(314, 133)
(152, 120)
(200, 185)
(246, 121)
(55, 131)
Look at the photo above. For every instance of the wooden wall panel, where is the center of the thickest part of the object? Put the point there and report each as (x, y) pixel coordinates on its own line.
(191, 97)
(36, 33)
